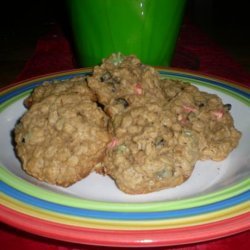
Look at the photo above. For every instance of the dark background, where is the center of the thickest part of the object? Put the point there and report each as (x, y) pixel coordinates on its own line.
(23, 22)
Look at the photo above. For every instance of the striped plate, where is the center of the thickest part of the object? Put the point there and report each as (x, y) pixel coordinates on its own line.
(213, 203)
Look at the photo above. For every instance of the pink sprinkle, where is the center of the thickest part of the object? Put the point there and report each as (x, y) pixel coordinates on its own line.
(218, 113)
(113, 143)
(138, 89)
(188, 108)
(184, 121)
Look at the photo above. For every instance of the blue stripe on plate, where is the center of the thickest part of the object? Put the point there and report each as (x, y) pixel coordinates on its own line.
(41, 204)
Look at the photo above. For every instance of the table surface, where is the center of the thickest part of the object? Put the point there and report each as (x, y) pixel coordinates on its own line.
(194, 51)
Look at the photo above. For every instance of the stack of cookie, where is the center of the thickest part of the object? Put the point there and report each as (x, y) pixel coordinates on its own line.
(145, 132)
(145, 153)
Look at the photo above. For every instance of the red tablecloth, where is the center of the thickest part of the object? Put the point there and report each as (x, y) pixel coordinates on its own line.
(194, 51)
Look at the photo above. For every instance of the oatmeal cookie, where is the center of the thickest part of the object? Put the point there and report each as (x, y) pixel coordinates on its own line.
(121, 82)
(145, 155)
(73, 85)
(202, 114)
(61, 138)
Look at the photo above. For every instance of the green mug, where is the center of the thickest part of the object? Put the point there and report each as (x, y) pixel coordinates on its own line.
(145, 28)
